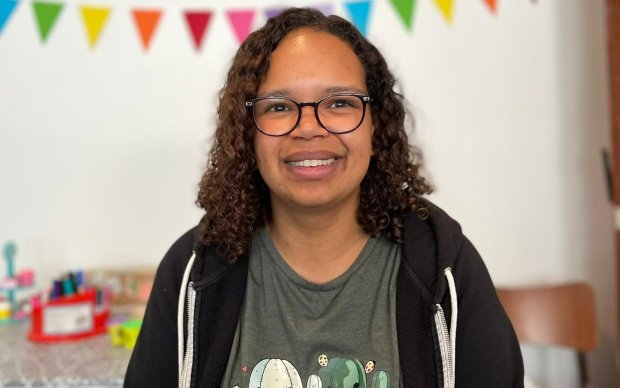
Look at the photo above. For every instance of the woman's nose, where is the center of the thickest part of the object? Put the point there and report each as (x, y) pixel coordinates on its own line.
(308, 125)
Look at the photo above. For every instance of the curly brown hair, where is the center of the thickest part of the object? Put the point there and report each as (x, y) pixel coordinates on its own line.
(232, 192)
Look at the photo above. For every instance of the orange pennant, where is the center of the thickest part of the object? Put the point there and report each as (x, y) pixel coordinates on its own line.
(492, 4)
(146, 21)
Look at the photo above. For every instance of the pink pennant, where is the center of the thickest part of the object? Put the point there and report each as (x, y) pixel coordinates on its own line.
(241, 21)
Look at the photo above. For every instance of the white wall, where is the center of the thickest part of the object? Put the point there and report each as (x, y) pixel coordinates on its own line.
(101, 150)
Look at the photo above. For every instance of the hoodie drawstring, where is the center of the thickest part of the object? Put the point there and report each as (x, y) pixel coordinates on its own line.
(181, 312)
(454, 314)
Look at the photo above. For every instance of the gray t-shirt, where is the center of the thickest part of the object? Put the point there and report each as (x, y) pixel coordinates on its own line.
(294, 333)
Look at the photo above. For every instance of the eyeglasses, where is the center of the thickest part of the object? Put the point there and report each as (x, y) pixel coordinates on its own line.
(337, 113)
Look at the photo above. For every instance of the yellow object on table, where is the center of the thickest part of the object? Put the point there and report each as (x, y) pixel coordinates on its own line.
(125, 334)
(5, 310)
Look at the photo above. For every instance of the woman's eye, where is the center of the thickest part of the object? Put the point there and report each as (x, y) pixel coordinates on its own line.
(277, 108)
(340, 104)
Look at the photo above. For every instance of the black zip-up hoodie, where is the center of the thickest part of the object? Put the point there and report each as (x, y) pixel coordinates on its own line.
(438, 265)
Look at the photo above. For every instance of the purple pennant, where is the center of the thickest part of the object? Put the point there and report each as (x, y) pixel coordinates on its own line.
(271, 12)
(326, 8)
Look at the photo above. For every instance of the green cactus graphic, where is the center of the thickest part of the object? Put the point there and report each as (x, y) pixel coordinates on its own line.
(343, 373)
(381, 380)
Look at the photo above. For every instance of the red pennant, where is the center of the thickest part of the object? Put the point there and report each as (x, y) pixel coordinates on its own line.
(198, 21)
(492, 4)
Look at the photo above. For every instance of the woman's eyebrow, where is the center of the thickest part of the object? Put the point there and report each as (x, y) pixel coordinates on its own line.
(326, 91)
(344, 89)
(274, 93)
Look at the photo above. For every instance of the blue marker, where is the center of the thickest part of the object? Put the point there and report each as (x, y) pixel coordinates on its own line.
(9, 255)
(79, 281)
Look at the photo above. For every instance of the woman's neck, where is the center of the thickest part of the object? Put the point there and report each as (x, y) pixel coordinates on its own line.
(319, 245)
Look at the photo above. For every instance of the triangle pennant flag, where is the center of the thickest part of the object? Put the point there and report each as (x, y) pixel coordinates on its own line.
(445, 6)
(359, 11)
(271, 12)
(46, 15)
(94, 19)
(492, 4)
(198, 21)
(6, 9)
(326, 9)
(241, 22)
(406, 11)
(146, 22)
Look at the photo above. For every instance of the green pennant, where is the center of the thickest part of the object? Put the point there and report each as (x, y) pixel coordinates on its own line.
(406, 11)
(46, 15)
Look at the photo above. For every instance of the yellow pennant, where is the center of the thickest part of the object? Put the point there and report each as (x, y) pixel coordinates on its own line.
(94, 19)
(445, 6)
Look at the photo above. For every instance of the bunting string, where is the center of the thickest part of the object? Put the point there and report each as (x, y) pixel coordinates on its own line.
(46, 14)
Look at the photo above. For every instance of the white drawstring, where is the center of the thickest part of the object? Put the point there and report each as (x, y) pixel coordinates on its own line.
(181, 311)
(453, 315)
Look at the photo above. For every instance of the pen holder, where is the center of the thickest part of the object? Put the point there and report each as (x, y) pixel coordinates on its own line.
(69, 318)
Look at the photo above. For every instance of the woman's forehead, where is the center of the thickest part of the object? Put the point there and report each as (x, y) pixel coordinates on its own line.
(308, 60)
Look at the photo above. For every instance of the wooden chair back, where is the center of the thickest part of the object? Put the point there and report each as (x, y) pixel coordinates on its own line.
(562, 315)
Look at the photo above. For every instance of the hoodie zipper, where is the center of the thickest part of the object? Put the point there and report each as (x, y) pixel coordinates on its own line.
(186, 371)
(445, 348)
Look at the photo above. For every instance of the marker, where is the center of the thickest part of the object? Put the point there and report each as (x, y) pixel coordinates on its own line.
(56, 291)
(79, 281)
(68, 287)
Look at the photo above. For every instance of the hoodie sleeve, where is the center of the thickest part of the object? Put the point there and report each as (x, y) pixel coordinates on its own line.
(487, 349)
(153, 362)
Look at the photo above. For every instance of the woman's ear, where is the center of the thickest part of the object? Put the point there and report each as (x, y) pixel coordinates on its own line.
(372, 138)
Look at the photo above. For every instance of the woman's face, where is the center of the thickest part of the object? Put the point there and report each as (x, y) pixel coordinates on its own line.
(306, 66)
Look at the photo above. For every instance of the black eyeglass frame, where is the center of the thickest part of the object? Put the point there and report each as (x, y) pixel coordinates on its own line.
(365, 100)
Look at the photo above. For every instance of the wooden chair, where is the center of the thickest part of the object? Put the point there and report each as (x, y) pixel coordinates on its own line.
(562, 315)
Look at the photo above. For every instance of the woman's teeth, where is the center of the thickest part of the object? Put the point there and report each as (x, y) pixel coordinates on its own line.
(312, 162)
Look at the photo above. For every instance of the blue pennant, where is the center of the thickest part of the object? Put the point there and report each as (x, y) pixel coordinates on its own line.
(359, 11)
(6, 9)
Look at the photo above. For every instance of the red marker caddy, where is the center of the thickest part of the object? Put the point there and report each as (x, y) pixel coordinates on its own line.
(68, 318)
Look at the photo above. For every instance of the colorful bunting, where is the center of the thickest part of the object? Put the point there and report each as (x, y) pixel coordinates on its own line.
(47, 12)
(46, 15)
(198, 21)
(492, 4)
(445, 6)
(6, 9)
(94, 19)
(359, 12)
(406, 11)
(146, 22)
(241, 22)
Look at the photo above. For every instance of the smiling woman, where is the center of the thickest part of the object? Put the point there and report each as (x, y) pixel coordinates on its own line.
(315, 243)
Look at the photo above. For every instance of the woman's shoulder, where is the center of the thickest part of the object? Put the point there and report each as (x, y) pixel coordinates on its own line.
(178, 255)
